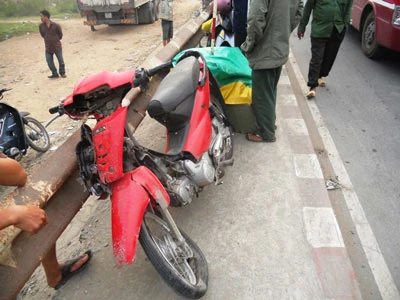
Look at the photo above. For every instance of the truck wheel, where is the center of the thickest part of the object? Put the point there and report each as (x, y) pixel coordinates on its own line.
(369, 45)
(146, 13)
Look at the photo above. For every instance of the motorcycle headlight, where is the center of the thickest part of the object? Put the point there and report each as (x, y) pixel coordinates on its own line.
(396, 15)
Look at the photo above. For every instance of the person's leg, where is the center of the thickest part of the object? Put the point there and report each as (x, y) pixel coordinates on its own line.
(50, 63)
(331, 51)
(239, 38)
(61, 63)
(164, 28)
(264, 91)
(171, 31)
(317, 54)
(53, 269)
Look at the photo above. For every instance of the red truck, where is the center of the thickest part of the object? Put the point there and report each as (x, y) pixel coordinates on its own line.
(379, 24)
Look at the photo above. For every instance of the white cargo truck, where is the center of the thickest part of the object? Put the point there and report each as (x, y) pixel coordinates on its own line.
(115, 12)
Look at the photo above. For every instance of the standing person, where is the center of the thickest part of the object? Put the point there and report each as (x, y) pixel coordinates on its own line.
(31, 219)
(328, 28)
(167, 24)
(240, 10)
(52, 34)
(270, 23)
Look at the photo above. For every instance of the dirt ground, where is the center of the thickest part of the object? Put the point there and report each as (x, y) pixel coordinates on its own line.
(23, 68)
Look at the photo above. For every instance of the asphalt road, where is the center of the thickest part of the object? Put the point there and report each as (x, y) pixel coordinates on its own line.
(361, 108)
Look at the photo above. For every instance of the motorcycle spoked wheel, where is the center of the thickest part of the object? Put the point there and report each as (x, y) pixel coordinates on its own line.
(37, 136)
(186, 274)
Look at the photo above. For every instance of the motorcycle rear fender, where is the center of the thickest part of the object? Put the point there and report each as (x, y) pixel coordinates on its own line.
(130, 197)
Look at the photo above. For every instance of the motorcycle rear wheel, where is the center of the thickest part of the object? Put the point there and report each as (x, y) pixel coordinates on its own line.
(187, 275)
(36, 134)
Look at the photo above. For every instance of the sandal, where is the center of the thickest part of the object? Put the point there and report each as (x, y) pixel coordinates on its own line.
(255, 137)
(321, 82)
(311, 94)
(66, 273)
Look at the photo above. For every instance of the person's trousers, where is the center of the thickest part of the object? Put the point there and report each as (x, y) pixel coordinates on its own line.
(240, 38)
(50, 62)
(323, 55)
(264, 90)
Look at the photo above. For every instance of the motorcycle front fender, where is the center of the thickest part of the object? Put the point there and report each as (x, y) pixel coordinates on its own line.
(130, 197)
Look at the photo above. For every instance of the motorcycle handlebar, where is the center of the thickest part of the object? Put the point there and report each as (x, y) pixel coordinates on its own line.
(54, 109)
(155, 70)
(142, 76)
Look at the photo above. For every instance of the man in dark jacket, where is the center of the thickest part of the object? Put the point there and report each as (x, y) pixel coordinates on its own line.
(328, 27)
(270, 23)
(52, 34)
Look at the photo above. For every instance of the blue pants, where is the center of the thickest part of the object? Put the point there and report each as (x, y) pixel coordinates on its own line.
(50, 62)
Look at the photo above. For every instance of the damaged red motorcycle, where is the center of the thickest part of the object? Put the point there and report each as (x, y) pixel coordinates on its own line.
(142, 182)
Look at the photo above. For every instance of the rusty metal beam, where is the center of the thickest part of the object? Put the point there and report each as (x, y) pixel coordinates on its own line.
(54, 186)
(26, 249)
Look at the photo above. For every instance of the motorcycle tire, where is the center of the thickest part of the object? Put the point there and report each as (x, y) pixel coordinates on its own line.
(36, 134)
(188, 277)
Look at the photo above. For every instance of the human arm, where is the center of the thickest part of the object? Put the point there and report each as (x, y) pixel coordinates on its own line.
(28, 218)
(41, 30)
(298, 15)
(59, 32)
(305, 18)
(348, 13)
(256, 22)
(11, 172)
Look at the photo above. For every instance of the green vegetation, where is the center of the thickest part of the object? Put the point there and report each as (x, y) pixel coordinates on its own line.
(8, 30)
(23, 8)
(12, 9)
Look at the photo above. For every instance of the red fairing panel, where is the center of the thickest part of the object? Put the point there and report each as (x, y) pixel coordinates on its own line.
(200, 132)
(130, 197)
(108, 138)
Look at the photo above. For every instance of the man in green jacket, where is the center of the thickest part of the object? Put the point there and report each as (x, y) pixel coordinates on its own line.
(328, 27)
(266, 47)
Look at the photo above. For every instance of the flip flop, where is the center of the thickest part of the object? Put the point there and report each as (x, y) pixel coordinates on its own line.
(311, 94)
(321, 82)
(255, 137)
(66, 274)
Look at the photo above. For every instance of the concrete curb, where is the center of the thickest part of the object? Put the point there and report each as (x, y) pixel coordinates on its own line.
(377, 266)
(334, 269)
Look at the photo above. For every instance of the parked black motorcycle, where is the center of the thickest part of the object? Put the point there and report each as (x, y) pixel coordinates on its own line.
(18, 132)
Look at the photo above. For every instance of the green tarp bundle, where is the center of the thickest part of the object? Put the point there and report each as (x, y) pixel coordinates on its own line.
(231, 68)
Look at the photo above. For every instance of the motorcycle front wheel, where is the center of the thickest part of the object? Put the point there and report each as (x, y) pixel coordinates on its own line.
(184, 268)
(37, 136)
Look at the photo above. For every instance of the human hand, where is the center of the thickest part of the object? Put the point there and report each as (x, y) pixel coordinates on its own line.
(300, 35)
(28, 218)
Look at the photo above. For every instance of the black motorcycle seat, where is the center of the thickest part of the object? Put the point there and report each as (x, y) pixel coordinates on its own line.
(172, 103)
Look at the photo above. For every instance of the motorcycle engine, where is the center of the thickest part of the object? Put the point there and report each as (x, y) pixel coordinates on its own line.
(183, 191)
(185, 188)
(203, 172)
(221, 148)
